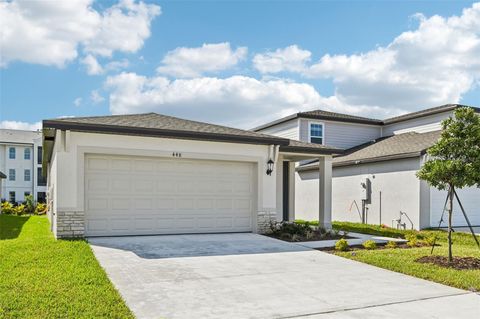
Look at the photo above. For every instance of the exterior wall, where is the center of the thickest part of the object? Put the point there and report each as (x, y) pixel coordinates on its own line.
(396, 181)
(20, 140)
(340, 134)
(287, 129)
(419, 125)
(66, 175)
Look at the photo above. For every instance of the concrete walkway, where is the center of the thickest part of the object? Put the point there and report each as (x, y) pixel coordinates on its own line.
(357, 239)
(252, 276)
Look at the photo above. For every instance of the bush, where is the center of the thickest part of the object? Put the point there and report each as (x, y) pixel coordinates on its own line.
(278, 228)
(7, 208)
(391, 244)
(412, 239)
(41, 209)
(342, 245)
(369, 244)
(430, 239)
(29, 204)
(19, 210)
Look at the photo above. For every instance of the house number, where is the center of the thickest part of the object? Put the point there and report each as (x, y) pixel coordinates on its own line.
(175, 154)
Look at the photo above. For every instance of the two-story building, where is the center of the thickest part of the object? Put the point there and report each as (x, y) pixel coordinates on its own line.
(21, 161)
(374, 181)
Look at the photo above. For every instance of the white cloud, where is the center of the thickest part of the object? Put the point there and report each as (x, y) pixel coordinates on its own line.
(238, 100)
(291, 59)
(96, 97)
(51, 32)
(192, 62)
(17, 125)
(435, 64)
(92, 65)
(77, 102)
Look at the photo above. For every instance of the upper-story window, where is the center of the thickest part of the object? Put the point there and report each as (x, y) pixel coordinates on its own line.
(316, 133)
(41, 180)
(26, 175)
(39, 155)
(26, 154)
(11, 153)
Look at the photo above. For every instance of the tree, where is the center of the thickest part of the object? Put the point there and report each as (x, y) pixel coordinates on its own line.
(454, 160)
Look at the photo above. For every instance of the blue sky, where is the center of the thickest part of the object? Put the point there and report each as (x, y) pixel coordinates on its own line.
(242, 63)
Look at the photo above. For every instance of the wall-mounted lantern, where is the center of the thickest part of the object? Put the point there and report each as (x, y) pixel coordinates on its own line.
(269, 167)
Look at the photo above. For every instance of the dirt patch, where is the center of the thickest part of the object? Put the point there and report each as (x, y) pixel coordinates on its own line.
(459, 263)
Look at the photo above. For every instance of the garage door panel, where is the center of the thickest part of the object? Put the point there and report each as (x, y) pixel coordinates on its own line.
(135, 195)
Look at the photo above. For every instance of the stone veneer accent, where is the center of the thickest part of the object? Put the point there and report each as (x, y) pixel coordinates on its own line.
(70, 224)
(264, 219)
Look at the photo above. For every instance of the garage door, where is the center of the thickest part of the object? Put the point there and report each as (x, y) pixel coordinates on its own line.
(470, 198)
(142, 195)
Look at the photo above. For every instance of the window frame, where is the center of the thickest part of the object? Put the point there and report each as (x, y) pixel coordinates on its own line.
(10, 197)
(25, 175)
(26, 151)
(10, 171)
(310, 132)
(39, 154)
(41, 181)
(10, 149)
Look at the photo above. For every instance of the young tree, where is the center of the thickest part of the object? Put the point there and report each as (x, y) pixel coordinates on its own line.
(454, 161)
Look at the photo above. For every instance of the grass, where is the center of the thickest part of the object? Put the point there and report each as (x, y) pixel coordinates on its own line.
(41, 277)
(403, 260)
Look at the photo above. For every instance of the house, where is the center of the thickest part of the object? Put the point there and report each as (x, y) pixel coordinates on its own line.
(154, 174)
(374, 181)
(21, 160)
(2, 177)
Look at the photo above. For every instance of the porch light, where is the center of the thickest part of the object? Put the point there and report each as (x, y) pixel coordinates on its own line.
(269, 167)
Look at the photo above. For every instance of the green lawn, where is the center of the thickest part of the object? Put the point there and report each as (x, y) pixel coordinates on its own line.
(41, 277)
(403, 260)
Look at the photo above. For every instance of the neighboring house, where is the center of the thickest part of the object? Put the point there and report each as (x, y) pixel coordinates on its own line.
(21, 160)
(375, 179)
(154, 174)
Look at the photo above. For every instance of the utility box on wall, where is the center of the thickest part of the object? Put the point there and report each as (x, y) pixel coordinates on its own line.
(366, 191)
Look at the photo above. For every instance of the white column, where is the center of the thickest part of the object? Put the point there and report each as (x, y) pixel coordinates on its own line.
(291, 191)
(325, 189)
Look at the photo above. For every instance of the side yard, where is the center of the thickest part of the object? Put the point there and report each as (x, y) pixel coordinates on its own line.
(44, 278)
(403, 260)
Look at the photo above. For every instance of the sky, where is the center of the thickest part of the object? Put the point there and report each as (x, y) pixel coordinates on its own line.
(234, 63)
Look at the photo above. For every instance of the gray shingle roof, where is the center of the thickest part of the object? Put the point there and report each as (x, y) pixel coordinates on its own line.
(426, 112)
(153, 124)
(404, 145)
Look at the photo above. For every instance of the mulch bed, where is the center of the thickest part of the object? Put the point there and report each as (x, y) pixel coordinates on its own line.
(459, 263)
(317, 237)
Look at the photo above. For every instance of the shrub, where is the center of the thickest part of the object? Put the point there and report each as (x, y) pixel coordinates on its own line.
(391, 244)
(369, 244)
(430, 239)
(19, 210)
(412, 239)
(29, 204)
(41, 209)
(7, 208)
(278, 228)
(342, 245)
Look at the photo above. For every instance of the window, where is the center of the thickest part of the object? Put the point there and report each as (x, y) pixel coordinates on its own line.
(26, 154)
(11, 174)
(11, 153)
(25, 194)
(39, 155)
(316, 133)
(41, 197)
(26, 175)
(41, 181)
(11, 197)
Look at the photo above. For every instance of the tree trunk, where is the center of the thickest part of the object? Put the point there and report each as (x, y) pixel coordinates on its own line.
(450, 213)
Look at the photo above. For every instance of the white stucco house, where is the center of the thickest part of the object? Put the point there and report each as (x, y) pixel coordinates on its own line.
(154, 174)
(374, 180)
(21, 161)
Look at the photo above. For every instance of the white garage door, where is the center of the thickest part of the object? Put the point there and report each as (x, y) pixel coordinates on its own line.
(127, 195)
(470, 198)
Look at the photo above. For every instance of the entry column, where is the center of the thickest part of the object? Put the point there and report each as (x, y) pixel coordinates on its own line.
(325, 189)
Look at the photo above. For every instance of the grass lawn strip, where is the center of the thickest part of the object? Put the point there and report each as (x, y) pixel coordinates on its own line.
(41, 277)
(404, 260)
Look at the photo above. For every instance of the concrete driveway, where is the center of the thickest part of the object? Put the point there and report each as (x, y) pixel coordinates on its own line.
(252, 276)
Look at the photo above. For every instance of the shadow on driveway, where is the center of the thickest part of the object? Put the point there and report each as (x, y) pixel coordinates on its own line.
(198, 245)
